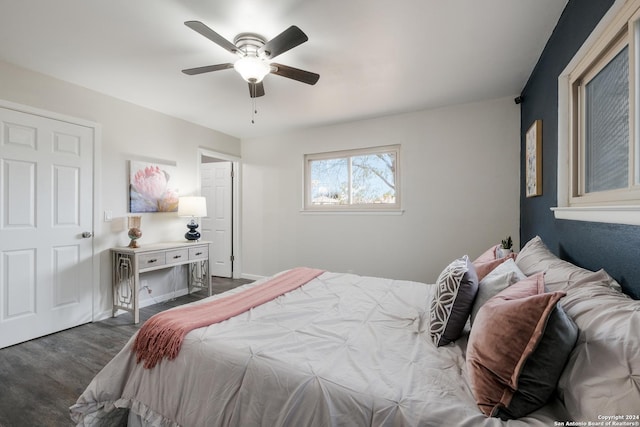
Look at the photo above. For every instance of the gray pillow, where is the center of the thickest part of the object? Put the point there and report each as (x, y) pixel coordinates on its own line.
(455, 291)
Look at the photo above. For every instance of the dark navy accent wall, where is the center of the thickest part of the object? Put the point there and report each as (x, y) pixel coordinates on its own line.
(587, 244)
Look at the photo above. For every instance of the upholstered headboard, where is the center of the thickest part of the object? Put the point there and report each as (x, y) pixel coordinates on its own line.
(614, 247)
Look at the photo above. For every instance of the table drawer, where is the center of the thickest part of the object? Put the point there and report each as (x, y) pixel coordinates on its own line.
(201, 252)
(177, 256)
(151, 259)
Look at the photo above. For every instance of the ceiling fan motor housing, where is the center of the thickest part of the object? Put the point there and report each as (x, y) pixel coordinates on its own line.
(250, 43)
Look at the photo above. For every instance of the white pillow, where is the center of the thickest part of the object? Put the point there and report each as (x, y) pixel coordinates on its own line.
(535, 257)
(602, 375)
(504, 275)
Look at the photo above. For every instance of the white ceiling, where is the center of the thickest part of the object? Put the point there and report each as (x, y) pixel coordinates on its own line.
(374, 57)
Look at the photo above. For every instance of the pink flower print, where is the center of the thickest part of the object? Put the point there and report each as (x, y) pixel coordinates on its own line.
(150, 182)
(150, 191)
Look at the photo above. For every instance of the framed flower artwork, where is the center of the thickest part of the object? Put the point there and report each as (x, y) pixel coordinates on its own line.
(533, 160)
(151, 188)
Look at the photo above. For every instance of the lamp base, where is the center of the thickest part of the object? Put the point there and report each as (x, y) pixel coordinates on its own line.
(192, 234)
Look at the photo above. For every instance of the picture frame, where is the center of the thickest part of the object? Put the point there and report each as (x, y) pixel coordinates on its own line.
(533, 160)
(152, 187)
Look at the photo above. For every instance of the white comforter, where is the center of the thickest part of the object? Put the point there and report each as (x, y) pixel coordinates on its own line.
(342, 350)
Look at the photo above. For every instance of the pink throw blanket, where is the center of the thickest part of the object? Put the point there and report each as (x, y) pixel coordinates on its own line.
(162, 335)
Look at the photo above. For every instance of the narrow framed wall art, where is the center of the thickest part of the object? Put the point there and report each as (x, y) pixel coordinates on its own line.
(533, 159)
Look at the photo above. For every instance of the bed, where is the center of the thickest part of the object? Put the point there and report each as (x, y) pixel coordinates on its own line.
(347, 350)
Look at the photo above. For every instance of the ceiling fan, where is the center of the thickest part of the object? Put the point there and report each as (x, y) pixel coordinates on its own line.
(255, 56)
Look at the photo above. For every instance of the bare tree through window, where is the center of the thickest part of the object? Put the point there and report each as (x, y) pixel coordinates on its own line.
(360, 178)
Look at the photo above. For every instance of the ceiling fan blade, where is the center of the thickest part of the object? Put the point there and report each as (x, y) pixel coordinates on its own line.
(201, 28)
(256, 89)
(207, 69)
(295, 73)
(288, 39)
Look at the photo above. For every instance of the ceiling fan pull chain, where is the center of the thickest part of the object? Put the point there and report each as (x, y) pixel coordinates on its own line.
(254, 110)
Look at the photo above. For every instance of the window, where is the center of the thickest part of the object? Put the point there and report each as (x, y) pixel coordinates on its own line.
(353, 180)
(603, 118)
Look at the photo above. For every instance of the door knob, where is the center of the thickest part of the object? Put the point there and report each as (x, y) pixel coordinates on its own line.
(87, 234)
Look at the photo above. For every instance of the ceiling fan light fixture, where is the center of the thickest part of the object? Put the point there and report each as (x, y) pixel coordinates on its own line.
(252, 69)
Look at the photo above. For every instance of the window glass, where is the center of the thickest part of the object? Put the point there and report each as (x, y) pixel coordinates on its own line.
(353, 179)
(373, 178)
(329, 181)
(607, 127)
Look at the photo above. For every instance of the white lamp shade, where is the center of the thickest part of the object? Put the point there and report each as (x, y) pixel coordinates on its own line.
(252, 69)
(192, 206)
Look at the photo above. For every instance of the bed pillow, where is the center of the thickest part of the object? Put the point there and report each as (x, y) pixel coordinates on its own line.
(485, 267)
(488, 255)
(489, 260)
(538, 380)
(508, 329)
(506, 274)
(602, 375)
(535, 257)
(455, 291)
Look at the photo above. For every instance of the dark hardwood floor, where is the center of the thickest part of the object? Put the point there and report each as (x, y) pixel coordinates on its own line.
(41, 378)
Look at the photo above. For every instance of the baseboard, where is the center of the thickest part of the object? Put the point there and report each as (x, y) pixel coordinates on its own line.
(253, 277)
(143, 303)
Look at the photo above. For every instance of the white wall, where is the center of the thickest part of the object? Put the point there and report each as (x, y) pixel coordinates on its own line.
(460, 192)
(129, 132)
(460, 169)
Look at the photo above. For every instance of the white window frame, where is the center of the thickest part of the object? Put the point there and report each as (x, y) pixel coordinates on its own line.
(617, 28)
(352, 208)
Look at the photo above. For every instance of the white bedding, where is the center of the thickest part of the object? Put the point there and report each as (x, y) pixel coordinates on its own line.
(342, 350)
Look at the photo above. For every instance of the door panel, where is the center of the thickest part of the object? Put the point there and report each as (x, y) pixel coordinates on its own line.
(216, 186)
(46, 168)
(18, 284)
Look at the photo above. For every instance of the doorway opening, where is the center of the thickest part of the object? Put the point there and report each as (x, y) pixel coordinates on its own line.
(219, 183)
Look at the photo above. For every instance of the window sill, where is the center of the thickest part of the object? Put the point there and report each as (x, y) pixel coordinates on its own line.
(629, 215)
(351, 212)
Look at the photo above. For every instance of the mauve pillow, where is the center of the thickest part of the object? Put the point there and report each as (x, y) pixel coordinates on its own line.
(455, 291)
(489, 260)
(488, 255)
(542, 371)
(506, 332)
(485, 267)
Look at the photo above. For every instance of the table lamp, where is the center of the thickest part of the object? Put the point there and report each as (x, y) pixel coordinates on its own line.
(194, 207)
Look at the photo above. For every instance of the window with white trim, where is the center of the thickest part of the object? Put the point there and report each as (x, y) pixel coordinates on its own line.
(365, 179)
(604, 162)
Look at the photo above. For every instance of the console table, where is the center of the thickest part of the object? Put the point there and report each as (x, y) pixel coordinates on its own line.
(128, 263)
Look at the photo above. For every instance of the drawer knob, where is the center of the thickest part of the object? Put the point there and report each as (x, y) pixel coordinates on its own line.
(152, 260)
(198, 253)
(177, 256)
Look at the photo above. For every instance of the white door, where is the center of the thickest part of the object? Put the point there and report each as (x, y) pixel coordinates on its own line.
(216, 182)
(46, 199)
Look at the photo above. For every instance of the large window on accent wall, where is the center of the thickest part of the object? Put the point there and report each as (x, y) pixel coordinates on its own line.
(604, 157)
(353, 180)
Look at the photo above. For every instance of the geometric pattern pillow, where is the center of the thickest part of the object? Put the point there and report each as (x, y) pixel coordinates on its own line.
(455, 291)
